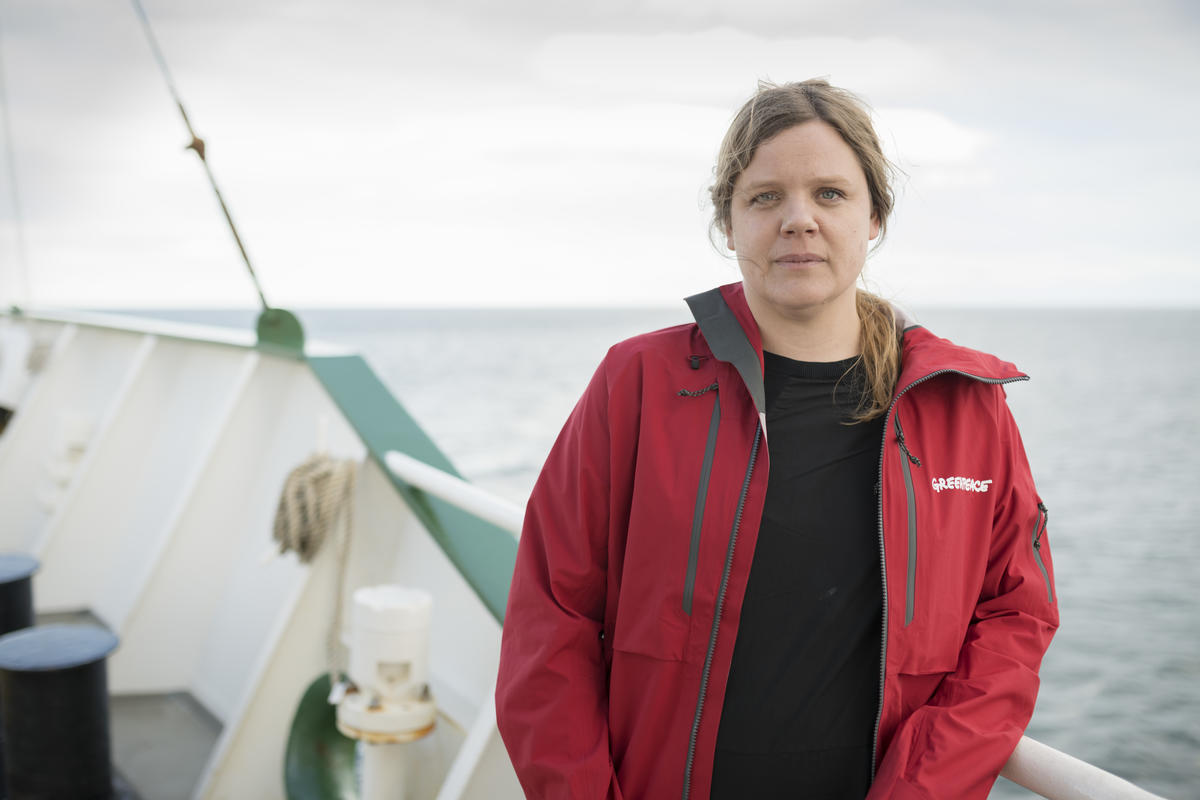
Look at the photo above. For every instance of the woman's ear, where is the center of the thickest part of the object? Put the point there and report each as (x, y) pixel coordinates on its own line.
(729, 237)
(874, 227)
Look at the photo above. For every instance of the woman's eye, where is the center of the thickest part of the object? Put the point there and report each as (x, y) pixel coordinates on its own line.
(830, 194)
(764, 197)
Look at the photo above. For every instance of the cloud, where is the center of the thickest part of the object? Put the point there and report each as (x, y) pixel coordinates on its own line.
(927, 138)
(720, 65)
(933, 150)
(567, 148)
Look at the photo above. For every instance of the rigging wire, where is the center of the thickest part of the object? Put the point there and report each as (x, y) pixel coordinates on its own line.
(21, 293)
(197, 143)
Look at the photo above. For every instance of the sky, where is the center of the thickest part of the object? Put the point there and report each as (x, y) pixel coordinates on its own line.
(548, 153)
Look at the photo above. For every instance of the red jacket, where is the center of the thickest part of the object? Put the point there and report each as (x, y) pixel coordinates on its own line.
(633, 563)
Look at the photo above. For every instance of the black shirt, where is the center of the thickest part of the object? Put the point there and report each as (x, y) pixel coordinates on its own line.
(803, 692)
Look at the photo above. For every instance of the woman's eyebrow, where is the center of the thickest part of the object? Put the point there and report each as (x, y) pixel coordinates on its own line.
(832, 180)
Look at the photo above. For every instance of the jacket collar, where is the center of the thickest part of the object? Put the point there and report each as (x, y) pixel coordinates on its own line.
(924, 354)
(732, 334)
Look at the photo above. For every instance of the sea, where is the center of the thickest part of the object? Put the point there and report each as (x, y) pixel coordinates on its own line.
(1110, 421)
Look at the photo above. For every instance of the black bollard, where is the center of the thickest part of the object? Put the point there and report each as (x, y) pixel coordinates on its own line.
(16, 611)
(16, 591)
(54, 693)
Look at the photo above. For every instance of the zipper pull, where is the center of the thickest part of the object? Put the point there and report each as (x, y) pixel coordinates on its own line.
(1044, 513)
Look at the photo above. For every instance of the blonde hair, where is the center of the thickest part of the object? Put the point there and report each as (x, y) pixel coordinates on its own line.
(774, 109)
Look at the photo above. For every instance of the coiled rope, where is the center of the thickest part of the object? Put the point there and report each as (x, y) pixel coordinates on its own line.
(317, 503)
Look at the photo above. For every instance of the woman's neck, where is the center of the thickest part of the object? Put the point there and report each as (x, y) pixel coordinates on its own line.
(825, 334)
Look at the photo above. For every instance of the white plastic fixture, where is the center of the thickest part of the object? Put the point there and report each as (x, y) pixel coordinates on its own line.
(390, 701)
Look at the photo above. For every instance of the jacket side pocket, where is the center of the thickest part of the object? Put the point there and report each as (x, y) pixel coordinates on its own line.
(1039, 531)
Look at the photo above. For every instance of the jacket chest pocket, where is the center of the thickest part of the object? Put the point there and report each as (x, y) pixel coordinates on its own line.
(710, 447)
(662, 556)
(941, 565)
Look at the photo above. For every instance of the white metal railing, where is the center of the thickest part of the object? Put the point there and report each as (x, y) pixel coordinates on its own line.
(456, 491)
(1033, 765)
(1058, 776)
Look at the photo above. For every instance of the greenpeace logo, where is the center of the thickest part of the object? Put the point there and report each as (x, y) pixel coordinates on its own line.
(959, 482)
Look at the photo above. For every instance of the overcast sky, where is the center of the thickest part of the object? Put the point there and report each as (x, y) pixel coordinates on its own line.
(541, 152)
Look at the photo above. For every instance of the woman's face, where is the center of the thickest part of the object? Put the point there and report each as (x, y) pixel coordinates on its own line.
(801, 221)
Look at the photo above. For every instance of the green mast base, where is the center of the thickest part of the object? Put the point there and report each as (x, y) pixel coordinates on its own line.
(280, 331)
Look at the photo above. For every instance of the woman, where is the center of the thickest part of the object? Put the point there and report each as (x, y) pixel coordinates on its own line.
(724, 587)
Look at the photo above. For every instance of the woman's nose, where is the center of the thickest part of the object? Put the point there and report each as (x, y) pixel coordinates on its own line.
(798, 218)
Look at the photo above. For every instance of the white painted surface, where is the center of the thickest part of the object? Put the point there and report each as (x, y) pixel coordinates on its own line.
(283, 409)
(248, 758)
(132, 588)
(26, 433)
(78, 390)
(183, 412)
(16, 340)
(75, 460)
(165, 625)
(482, 769)
(385, 771)
(184, 448)
(144, 464)
(1058, 776)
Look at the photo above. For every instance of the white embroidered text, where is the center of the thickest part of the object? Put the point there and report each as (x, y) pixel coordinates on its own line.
(959, 482)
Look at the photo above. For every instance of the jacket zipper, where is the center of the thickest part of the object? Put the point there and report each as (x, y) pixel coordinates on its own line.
(882, 549)
(716, 624)
(689, 583)
(910, 493)
(1039, 530)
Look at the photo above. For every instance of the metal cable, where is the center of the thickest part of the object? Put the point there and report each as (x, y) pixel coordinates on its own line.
(197, 143)
(22, 288)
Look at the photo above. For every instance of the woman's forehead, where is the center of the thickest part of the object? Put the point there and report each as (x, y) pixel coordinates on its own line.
(813, 151)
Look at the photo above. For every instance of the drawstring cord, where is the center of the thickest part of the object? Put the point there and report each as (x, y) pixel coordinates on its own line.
(904, 447)
(687, 393)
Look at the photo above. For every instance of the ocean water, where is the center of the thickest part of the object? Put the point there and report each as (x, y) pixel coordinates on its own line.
(1110, 421)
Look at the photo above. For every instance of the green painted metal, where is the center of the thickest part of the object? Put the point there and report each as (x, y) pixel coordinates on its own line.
(279, 331)
(484, 553)
(318, 763)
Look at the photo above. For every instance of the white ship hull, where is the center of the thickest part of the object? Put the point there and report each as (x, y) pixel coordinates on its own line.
(143, 469)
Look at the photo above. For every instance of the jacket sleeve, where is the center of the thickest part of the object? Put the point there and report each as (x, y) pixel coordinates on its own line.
(955, 745)
(551, 693)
